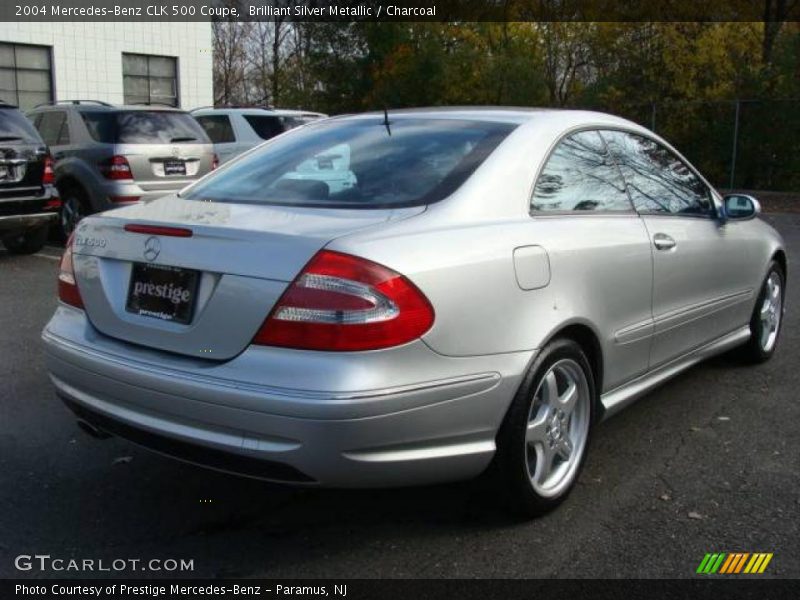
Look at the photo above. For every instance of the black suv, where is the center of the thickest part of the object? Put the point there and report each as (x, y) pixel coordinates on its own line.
(29, 202)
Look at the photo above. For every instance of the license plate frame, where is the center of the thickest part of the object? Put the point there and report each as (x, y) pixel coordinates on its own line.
(174, 167)
(155, 299)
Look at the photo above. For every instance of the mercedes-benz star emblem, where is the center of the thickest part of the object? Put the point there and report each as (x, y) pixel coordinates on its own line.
(152, 248)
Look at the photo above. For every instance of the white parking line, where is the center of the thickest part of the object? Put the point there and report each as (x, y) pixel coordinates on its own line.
(40, 255)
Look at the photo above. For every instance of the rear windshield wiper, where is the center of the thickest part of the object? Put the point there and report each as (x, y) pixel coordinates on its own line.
(182, 139)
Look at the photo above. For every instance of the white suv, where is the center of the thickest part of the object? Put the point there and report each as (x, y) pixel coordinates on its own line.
(234, 130)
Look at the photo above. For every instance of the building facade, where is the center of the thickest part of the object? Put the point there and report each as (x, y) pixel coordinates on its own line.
(119, 63)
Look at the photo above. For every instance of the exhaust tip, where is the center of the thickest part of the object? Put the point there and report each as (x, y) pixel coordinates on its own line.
(92, 430)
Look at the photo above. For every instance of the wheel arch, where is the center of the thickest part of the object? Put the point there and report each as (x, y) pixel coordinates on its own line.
(586, 337)
(66, 181)
(779, 256)
(71, 172)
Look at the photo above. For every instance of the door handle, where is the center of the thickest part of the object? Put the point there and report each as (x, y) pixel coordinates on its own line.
(663, 242)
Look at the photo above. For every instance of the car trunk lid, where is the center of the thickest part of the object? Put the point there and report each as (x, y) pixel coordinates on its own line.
(238, 258)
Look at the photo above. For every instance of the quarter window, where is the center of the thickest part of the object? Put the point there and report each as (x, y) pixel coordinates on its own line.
(658, 181)
(25, 75)
(150, 79)
(580, 176)
(218, 128)
(53, 127)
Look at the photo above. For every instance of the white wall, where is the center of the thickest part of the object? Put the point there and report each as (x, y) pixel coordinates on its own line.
(88, 56)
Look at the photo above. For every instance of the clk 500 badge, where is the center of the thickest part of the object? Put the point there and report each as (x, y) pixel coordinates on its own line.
(97, 242)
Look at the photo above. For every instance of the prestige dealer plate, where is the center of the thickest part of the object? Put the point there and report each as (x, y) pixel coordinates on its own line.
(162, 292)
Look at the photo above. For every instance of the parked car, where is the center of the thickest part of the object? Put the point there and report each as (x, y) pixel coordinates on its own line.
(494, 284)
(29, 201)
(107, 156)
(235, 130)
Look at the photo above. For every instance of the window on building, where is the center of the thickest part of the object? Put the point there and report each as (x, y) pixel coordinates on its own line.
(25, 75)
(150, 79)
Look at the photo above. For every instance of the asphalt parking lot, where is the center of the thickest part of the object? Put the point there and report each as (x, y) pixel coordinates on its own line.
(709, 462)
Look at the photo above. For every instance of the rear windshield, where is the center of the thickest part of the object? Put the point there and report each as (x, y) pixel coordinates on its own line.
(268, 126)
(358, 164)
(14, 126)
(144, 127)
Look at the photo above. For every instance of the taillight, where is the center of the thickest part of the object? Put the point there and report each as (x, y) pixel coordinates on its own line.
(116, 168)
(342, 302)
(48, 177)
(214, 162)
(67, 286)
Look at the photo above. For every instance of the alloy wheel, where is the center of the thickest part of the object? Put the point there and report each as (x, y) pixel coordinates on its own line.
(558, 428)
(770, 313)
(71, 214)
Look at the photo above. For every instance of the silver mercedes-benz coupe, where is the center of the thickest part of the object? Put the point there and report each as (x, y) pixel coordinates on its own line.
(409, 297)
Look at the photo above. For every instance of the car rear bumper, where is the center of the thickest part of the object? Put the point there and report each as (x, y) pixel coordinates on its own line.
(212, 414)
(14, 222)
(24, 212)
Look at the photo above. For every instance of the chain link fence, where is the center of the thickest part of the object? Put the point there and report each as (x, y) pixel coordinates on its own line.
(739, 144)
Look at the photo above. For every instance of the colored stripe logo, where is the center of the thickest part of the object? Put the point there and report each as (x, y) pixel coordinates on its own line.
(733, 563)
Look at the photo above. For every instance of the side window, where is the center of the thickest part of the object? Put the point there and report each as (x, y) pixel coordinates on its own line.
(266, 127)
(218, 128)
(100, 125)
(63, 136)
(580, 176)
(51, 125)
(658, 181)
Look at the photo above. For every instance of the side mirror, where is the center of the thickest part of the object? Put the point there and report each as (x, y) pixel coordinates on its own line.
(740, 207)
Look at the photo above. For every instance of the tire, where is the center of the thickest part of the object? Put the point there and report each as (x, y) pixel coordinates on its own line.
(26, 242)
(767, 317)
(74, 206)
(536, 426)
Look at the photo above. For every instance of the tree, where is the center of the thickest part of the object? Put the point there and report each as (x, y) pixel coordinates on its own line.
(776, 12)
(269, 51)
(567, 59)
(230, 61)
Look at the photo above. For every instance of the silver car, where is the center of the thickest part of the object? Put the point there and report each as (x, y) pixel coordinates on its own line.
(108, 156)
(494, 284)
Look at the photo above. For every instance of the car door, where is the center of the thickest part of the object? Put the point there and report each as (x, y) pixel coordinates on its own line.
(597, 249)
(699, 291)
